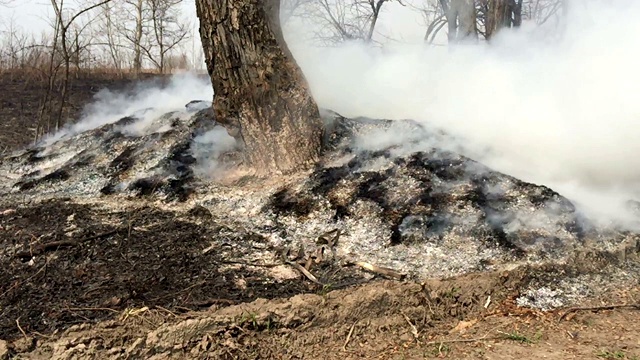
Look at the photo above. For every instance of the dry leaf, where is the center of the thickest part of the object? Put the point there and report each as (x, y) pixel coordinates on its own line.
(463, 326)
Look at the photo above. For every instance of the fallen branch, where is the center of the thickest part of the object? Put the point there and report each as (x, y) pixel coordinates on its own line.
(55, 245)
(598, 308)
(380, 270)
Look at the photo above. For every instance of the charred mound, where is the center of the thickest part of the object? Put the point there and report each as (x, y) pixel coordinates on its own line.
(415, 206)
(129, 214)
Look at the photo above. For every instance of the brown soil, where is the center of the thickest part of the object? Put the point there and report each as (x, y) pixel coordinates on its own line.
(136, 283)
(382, 320)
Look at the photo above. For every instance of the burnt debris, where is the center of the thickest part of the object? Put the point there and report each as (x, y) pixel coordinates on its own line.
(395, 201)
(126, 156)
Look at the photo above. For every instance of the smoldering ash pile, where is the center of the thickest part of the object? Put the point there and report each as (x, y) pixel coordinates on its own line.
(522, 152)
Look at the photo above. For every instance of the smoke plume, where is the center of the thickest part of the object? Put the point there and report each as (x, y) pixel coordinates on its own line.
(146, 101)
(553, 106)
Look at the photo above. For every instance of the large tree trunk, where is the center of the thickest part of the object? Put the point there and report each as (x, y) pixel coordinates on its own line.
(461, 18)
(498, 16)
(260, 94)
(517, 13)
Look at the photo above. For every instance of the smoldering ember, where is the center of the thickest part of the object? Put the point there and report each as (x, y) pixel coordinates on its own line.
(167, 232)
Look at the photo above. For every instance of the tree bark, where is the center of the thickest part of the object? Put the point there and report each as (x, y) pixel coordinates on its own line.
(137, 46)
(500, 16)
(461, 18)
(517, 13)
(260, 94)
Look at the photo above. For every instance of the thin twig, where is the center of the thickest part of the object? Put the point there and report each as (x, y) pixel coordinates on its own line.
(18, 283)
(484, 338)
(181, 291)
(167, 311)
(92, 309)
(414, 330)
(20, 328)
(42, 335)
(344, 347)
(55, 245)
(305, 272)
(185, 309)
(231, 262)
(599, 308)
(209, 302)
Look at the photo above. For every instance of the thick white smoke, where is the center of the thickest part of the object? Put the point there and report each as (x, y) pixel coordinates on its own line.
(563, 111)
(559, 109)
(147, 100)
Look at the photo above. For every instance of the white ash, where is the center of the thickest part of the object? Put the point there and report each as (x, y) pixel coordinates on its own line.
(543, 298)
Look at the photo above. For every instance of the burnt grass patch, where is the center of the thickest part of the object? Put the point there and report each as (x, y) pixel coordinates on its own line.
(425, 168)
(57, 175)
(285, 201)
(130, 259)
(428, 169)
(124, 161)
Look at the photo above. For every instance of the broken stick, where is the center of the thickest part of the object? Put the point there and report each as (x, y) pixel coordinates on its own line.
(599, 308)
(381, 270)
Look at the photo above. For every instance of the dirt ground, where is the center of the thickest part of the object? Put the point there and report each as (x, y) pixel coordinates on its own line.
(139, 283)
(89, 281)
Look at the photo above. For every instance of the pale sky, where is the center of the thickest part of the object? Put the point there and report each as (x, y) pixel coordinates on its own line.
(32, 15)
(400, 22)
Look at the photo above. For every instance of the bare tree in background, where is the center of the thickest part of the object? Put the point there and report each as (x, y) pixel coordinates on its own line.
(489, 16)
(90, 36)
(112, 38)
(13, 43)
(501, 14)
(541, 11)
(133, 27)
(434, 17)
(261, 95)
(293, 8)
(168, 30)
(341, 20)
(63, 25)
(461, 18)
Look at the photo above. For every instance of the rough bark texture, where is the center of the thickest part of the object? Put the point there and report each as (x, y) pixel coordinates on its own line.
(501, 14)
(461, 19)
(261, 95)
